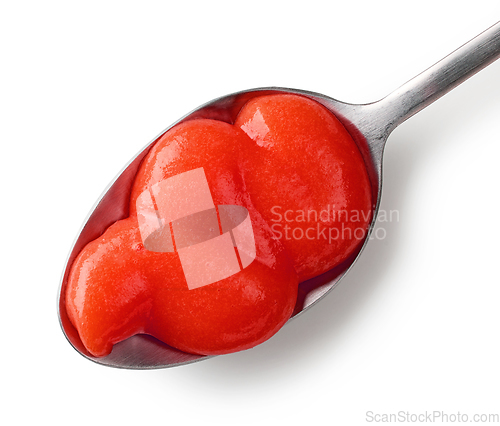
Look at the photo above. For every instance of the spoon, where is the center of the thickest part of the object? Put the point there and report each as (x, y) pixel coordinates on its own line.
(370, 125)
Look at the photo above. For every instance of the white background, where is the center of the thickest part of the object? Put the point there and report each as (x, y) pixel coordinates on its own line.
(415, 325)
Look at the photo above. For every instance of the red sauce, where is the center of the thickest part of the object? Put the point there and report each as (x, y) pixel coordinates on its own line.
(225, 221)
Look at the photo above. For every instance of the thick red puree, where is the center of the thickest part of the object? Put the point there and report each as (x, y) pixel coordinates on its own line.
(225, 221)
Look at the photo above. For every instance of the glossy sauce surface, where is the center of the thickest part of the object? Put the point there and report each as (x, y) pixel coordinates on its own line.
(308, 180)
(285, 160)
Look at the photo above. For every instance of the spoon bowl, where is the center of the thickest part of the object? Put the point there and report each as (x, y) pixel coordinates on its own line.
(370, 125)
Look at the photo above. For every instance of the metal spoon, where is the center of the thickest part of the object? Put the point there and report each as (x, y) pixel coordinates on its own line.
(370, 125)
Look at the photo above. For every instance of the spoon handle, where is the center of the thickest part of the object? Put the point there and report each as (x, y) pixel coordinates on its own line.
(442, 77)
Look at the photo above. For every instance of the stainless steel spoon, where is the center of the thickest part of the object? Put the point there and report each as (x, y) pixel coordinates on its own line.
(370, 125)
